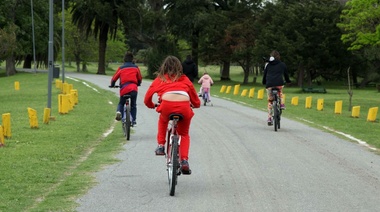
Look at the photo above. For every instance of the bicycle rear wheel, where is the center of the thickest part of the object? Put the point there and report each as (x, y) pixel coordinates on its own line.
(275, 115)
(127, 131)
(204, 97)
(173, 165)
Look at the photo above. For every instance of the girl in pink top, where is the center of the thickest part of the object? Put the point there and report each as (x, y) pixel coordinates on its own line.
(206, 82)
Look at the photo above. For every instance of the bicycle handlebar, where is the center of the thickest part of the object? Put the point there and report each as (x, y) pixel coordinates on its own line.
(116, 86)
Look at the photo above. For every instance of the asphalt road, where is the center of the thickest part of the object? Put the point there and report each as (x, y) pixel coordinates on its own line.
(238, 164)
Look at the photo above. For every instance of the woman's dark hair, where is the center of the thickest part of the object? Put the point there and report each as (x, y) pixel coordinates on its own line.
(275, 54)
(128, 57)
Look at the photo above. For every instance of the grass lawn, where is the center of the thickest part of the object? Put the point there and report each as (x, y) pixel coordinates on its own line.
(46, 169)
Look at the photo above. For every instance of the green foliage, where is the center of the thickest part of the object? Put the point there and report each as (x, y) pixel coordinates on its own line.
(360, 22)
(306, 36)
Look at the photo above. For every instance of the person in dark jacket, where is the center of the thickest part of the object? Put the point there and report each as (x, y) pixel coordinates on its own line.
(274, 73)
(190, 69)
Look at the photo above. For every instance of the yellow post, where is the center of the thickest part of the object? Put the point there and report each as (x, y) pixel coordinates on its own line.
(283, 99)
(294, 100)
(372, 113)
(338, 107)
(244, 92)
(355, 111)
(63, 104)
(69, 88)
(229, 89)
(223, 89)
(33, 121)
(320, 104)
(47, 115)
(64, 87)
(260, 94)
(1, 136)
(71, 101)
(308, 102)
(251, 92)
(17, 85)
(236, 89)
(58, 83)
(74, 92)
(7, 125)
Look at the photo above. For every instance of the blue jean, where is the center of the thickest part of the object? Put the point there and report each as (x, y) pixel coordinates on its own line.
(120, 106)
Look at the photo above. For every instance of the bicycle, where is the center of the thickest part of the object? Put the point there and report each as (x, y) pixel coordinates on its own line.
(127, 120)
(206, 96)
(172, 149)
(276, 108)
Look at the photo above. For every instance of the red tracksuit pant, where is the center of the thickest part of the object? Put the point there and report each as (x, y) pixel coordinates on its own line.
(165, 109)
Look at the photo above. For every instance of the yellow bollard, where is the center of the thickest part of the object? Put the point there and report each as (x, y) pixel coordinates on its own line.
(7, 125)
(2, 143)
(33, 121)
(251, 92)
(47, 112)
(244, 92)
(236, 89)
(63, 104)
(294, 100)
(17, 85)
(355, 111)
(69, 88)
(71, 101)
(64, 87)
(223, 89)
(372, 113)
(260, 94)
(74, 92)
(320, 104)
(228, 89)
(338, 107)
(58, 83)
(308, 102)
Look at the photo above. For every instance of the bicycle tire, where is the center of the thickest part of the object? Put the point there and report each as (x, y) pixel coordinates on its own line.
(128, 122)
(275, 115)
(174, 166)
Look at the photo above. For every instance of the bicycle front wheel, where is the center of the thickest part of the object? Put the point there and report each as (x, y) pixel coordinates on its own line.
(173, 166)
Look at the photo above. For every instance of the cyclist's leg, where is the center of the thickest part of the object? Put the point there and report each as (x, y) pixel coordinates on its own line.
(133, 105)
(120, 106)
(163, 121)
(183, 130)
(270, 100)
(280, 94)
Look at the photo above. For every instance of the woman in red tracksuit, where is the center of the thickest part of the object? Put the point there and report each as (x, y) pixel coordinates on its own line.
(175, 94)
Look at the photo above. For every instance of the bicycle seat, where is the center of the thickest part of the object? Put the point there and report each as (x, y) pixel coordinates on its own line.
(127, 96)
(175, 115)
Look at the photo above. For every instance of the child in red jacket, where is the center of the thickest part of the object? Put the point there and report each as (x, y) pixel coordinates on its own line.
(175, 93)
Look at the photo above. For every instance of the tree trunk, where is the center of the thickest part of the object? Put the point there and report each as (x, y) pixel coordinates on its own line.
(225, 75)
(28, 61)
(10, 65)
(103, 37)
(194, 49)
(77, 61)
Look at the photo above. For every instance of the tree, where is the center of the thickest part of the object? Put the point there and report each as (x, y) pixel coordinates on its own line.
(360, 22)
(305, 33)
(98, 18)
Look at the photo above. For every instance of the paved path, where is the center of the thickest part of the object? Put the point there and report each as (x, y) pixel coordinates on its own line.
(239, 164)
